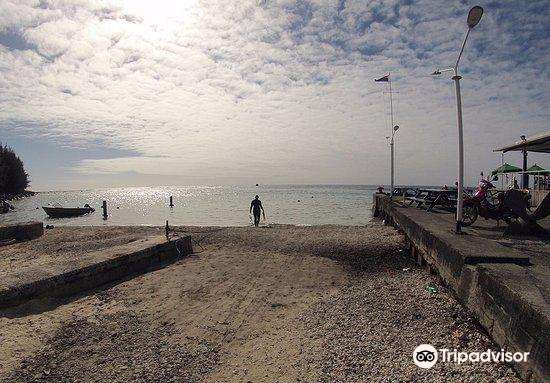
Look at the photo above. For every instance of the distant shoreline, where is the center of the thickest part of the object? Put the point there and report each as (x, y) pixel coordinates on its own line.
(24, 194)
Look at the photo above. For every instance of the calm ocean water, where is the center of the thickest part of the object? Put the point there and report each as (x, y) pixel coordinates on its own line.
(204, 205)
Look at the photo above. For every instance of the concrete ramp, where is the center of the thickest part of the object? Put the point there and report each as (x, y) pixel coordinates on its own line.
(90, 271)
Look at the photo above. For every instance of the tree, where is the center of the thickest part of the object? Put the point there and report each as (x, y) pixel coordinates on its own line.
(13, 178)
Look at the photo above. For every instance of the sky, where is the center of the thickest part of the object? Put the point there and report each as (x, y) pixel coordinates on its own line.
(138, 93)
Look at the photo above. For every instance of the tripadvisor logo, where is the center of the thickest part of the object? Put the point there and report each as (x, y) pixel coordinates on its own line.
(426, 356)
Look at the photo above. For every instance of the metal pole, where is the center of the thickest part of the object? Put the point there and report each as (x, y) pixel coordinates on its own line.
(392, 133)
(525, 179)
(392, 152)
(460, 181)
(502, 176)
(461, 50)
(457, 78)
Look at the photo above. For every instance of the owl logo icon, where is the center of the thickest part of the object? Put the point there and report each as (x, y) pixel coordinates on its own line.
(425, 356)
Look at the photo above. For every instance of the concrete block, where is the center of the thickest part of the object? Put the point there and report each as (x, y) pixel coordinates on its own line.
(522, 341)
(540, 361)
(98, 269)
(467, 284)
(22, 232)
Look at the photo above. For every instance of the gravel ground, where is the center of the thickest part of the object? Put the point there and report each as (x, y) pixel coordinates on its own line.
(368, 331)
(141, 354)
(275, 304)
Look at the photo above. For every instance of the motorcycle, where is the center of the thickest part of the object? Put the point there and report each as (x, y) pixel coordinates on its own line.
(479, 205)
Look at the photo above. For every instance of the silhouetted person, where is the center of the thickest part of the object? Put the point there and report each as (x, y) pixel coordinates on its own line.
(256, 205)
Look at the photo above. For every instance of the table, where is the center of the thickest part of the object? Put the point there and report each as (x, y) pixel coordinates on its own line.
(434, 197)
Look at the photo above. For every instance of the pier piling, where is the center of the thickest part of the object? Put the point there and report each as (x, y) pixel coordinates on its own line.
(171, 201)
(104, 207)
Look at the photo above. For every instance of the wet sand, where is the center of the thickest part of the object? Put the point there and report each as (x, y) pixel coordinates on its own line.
(284, 303)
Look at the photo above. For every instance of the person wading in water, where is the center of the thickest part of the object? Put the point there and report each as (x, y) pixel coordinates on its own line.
(257, 206)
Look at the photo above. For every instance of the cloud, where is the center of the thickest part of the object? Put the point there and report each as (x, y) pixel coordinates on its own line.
(279, 89)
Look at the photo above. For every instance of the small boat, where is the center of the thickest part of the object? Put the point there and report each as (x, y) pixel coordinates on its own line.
(65, 212)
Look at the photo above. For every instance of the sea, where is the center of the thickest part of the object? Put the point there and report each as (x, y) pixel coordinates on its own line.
(203, 205)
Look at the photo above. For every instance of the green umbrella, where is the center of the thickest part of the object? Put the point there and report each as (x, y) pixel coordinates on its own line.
(536, 169)
(506, 168)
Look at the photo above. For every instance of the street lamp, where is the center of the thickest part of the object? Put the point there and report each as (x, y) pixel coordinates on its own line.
(387, 79)
(474, 16)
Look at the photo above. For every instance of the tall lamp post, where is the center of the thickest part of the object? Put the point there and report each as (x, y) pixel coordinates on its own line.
(394, 128)
(474, 16)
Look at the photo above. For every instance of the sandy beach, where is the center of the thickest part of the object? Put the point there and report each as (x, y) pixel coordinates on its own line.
(274, 304)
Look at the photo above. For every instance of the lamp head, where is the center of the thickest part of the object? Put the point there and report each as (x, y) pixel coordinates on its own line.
(436, 72)
(522, 138)
(474, 16)
(395, 128)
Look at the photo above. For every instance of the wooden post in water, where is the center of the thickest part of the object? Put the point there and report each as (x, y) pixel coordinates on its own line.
(104, 207)
(171, 202)
(167, 230)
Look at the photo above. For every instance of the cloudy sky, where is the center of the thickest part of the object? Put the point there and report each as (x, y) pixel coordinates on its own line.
(136, 92)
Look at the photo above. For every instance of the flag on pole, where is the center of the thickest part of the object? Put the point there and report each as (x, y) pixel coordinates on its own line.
(386, 78)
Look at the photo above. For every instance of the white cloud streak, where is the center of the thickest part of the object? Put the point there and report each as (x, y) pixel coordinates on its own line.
(278, 90)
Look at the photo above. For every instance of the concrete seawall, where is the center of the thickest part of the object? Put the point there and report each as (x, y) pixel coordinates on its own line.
(95, 270)
(500, 285)
(21, 232)
(537, 196)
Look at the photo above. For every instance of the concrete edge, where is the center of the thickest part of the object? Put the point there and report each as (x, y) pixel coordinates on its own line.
(22, 232)
(512, 322)
(435, 250)
(516, 323)
(96, 274)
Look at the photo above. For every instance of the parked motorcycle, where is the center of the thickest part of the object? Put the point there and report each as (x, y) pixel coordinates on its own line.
(479, 205)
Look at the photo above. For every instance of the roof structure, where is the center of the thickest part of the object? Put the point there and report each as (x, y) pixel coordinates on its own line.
(539, 143)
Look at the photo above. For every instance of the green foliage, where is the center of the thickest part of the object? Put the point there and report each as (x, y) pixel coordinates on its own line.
(13, 179)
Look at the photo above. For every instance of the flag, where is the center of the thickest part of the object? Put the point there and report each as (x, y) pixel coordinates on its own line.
(386, 78)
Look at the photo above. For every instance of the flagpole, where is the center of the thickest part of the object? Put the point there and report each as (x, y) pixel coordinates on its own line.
(391, 99)
(392, 148)
(387, 79)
